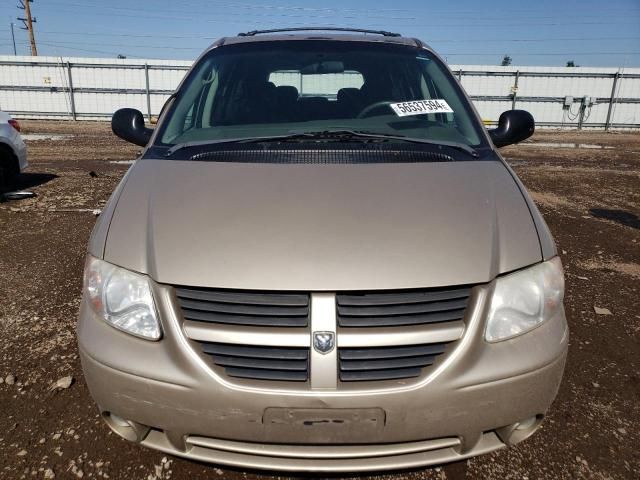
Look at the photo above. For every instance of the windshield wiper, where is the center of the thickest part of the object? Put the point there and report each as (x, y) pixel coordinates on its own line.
(338, 135)
(458, 146)
(297, 136)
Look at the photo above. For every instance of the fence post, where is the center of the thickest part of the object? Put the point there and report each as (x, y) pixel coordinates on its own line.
(71, 95)
(612, 100)
(146, 78)
(583, 108)
(515, 91)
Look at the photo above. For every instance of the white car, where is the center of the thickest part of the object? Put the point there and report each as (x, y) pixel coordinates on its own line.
(13, 151)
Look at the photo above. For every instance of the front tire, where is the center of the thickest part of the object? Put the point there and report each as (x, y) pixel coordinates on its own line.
(9, 168)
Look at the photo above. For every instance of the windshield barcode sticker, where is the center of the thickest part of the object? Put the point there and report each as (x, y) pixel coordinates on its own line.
(420, 107)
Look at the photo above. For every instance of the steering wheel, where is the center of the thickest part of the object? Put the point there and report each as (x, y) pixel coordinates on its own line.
(369, 108)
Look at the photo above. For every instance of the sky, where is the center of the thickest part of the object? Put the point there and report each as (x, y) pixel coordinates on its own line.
(534, 32)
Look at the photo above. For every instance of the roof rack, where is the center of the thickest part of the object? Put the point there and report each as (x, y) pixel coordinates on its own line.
(322, 29)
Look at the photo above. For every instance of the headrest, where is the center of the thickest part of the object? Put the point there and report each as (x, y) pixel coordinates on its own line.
(313, 100)
(287, 92)
(348, 94)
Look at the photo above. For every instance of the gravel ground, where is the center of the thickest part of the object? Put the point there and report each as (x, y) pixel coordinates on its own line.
(589, 196)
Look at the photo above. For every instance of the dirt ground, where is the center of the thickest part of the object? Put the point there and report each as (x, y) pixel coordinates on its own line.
(590, 196)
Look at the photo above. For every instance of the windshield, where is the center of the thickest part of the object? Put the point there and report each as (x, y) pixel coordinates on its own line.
(279, 88)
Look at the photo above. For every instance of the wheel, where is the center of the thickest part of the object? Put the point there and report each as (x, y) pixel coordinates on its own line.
(9, 168)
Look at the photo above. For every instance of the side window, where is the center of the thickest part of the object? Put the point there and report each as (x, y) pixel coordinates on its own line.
(210, 88)
(189, 120)
(190, 110)
(430, 91)
(445, 90)
(199, 113)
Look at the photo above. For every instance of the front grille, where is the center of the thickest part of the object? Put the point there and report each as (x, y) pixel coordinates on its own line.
(244, 308)
(393, 309)
(386, 363)
(260, 363)
(264, 336)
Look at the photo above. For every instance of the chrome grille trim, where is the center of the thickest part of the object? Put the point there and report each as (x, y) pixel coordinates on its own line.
(258, 336)
(324, 366)
(393, 336)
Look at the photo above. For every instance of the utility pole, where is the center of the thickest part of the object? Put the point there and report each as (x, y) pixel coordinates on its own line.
(13, 37)
(28, 24)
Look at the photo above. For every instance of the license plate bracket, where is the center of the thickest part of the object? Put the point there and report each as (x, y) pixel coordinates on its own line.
(324, 425)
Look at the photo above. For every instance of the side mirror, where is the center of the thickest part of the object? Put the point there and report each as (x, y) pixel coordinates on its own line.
(513, 126)
(128, 124)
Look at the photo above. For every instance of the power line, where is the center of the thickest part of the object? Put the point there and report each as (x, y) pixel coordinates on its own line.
(433, 40)
(163, 47)
(131, 35)
(289, 12)
(534, 40)
(388, 20)
(541, 53)
(86, 49)
(352, 16)
(66, 46)
(331, 10)
(259, 6)
(199, 48)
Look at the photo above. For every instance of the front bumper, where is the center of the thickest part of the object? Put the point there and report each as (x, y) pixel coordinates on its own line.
(468, 406)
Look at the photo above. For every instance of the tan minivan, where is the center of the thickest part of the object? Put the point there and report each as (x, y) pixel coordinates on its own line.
(321, 263)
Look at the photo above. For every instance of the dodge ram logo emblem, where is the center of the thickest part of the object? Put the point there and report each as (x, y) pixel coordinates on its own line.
(323, 342)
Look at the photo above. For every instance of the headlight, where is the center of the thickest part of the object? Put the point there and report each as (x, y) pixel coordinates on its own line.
(121, 298)
(523, 300)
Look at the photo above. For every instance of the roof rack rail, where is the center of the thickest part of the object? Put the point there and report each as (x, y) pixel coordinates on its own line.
(321, 29)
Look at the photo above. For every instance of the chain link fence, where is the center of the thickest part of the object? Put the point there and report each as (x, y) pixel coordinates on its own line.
(93, 88)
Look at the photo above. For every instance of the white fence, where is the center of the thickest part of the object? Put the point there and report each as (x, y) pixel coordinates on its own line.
(93, 88)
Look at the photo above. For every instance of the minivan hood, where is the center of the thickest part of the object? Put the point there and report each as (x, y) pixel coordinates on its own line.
(321, 227)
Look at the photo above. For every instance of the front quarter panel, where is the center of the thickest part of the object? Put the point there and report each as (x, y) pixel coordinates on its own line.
(547, 243)
(98, 238)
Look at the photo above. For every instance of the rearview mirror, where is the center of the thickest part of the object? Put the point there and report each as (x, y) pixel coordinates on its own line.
(326, 66)
(128, 124)
(513, 126)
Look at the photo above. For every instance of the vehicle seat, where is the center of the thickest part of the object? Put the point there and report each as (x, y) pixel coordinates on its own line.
(269, 99)
(286, 98)
(371, 93)
(313, 108)
(349, 102)
(256, 102)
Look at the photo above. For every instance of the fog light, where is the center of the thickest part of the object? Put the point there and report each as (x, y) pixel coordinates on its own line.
(119, 421)
(517, 432)
(127, 429)
(527, 424)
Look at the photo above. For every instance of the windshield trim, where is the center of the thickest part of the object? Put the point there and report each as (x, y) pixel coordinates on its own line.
(328, 135)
